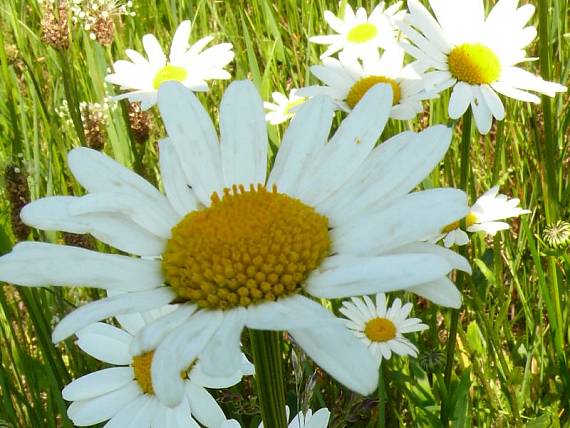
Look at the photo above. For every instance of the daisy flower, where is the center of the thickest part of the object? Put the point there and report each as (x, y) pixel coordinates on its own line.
(283, 107)
(361, 35)
(348, 79)
(476, 55)
(192, 66)
(124, 395)
(236, 248)
(381, 328)
(483, 216)
(319, 419)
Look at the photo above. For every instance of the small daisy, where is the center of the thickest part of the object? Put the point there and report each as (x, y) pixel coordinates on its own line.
(283, 108)
(476, 55)
(360, 35)
(192, 66)
(483, 216)
(236, 247)
(348, 80)
(319, 419)
(124, 394)
(381, 328)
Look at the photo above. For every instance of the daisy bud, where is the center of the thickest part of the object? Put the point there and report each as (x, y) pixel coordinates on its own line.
(557, 235)
(18, 195)
(54, 29)
(139, 122)
(432, 361)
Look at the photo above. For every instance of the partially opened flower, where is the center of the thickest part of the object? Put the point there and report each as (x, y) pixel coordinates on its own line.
(283, 107)
(361, 35)
(236, 248)
(483, 217)
(192, 66)
(320, 419)
(381, 328)
(124, 395)
(347, 80)
(476, 55)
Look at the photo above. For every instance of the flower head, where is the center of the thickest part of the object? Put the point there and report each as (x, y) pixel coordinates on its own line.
(283, 107)
(381, 328)
(476, 55)
(124, 392)
(192, 66)
(361, 35)
(557, 235)
(235, 248)
(319, 419)
(348, 79)
(483, 216)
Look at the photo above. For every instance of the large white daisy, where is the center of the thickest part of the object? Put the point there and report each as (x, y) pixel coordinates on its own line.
(477, 55)
(382, 328)
(348, 79)
(236, 248)
(192, 66)
(124, 394)
(361, 35)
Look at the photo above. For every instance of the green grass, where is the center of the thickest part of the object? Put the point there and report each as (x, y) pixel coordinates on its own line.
(510, 365)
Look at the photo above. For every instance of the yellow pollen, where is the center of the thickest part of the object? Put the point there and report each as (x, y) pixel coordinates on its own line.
(362, 86)
(169, 72)
(380, 330)
(474, 63)
(141, 367)
(470, 220)
(248, 247)
(362, 33)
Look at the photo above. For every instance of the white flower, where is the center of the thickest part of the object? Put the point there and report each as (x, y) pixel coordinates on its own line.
(123, 394)
(483, 216)
(360, 35)
(307, 420)
(477, 55)
(192, 66)
(348, 80)
(283, 108)
(236, 248)
(381, 328)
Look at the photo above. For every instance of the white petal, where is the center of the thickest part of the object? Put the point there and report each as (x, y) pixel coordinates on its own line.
(106, 343)
(454, 259)
(222, 356)
(243, 135)
(493, 102)
(177, 190)
(111, 306)
(138, 414)
(177, 351)
(339, 353)
(460, 99)
(115, 229)
(307, 132)
(179, 44)
(203, 406)
(72, 266)
(343, 276)
(153, 50)
(441, 291)
(98, 383)
(336, 161)
(481, 113)
(194, 137)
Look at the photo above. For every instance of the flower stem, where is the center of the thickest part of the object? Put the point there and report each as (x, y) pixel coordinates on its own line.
(461, 277)
(267, 357)
(382, 397)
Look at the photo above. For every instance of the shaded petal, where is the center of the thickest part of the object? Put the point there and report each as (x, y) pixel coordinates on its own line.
(98, 383)
(203, 406)
(441, 291)
(106, 343)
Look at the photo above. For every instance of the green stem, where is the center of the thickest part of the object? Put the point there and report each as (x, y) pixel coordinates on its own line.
(382, 396)
(461, 277)
(267, 357)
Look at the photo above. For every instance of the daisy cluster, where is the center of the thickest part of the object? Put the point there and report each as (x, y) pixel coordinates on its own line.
(234, 240)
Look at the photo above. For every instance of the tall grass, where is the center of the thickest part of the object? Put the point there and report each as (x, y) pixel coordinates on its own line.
(509, 365)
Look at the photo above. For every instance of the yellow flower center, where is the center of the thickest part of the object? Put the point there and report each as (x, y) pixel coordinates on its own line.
(362, 33)
(470, 220)
(247, 247)
(169, 72)
(362, 86)
(141, 367)
(380, 330)
(293, 104)
(474, 63)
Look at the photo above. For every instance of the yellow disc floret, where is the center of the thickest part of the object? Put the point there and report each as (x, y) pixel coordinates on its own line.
(470, 220)
(362, 86)
(474, 63)
(362, 33)
(141, 367)
(249, 246)
(169, 72)
(380, 330)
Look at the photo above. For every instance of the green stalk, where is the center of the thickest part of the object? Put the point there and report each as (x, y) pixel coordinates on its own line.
(382, 397)
(461, 277)
(267, 357)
